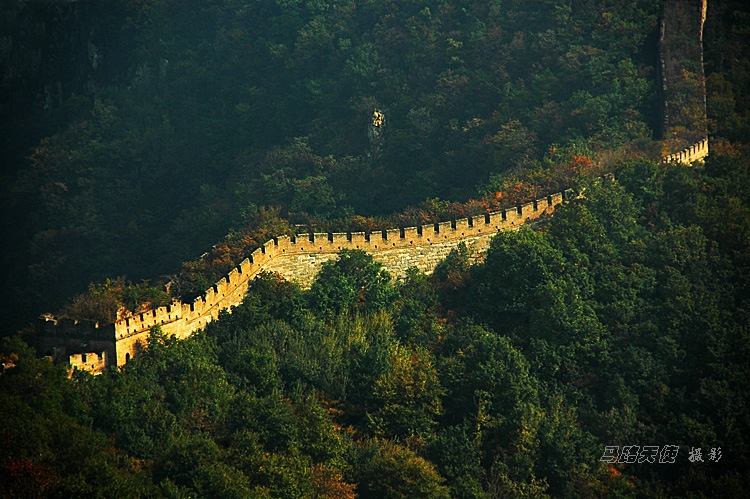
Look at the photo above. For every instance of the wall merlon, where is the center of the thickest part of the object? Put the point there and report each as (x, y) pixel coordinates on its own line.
(221, 285)
(320, 242)
(511, 215)
(497, 219)
(411, 234)
(283, 244)
(392, 235)
(462, 225)
(198, 304)
(246, 266)
(444, 229)
(480, 220)
(269, 247)
(339, 239)
(358, 240)
(257, 257)
(428, 232)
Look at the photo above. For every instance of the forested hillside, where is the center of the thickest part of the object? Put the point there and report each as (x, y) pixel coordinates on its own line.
(623, 321)
(138, 134)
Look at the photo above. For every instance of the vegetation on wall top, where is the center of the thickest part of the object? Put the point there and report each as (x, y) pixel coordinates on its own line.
(140, 133)
(623, 321)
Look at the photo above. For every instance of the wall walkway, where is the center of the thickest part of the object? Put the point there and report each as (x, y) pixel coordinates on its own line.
(300, 258)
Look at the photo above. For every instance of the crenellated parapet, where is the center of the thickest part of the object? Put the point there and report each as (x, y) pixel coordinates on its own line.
(91, 361)
(88, 345)
(696, 152)
(300, 257)
(296, 258)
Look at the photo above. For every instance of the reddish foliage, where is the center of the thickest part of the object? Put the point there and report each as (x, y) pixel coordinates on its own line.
(24, 474)
(526, 186)
(330, 484)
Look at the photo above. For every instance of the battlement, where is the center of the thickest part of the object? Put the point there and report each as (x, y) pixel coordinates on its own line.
(696, 152)
(296, 258)
(59, 328)
(93, 362)
(181, 319)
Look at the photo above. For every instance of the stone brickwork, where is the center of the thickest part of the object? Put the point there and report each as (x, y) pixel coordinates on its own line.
(295, 258)
(303, 268)
(67, 339)
(89, 346)
(696, 152)
(90, 361)
(683, 82)
(299, 259)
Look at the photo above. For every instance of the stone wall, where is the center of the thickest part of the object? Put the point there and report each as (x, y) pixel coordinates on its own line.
(300, 258)
(294, 258)
(67, 339)
(91, 361)
(682, 78)
(696, 152)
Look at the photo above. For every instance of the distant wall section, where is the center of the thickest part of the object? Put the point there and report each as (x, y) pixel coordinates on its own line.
(682, 77)
(696, 152)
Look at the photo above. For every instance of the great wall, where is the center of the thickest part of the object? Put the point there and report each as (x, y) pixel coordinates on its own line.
(95, 347)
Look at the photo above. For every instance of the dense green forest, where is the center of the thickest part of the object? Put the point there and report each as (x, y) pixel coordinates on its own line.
(136, 135)
(621, 321)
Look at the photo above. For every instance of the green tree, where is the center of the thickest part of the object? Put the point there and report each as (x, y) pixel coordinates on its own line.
(50, 447)
(489, 385)
(406, 398)
(383, 468)
(354, 282)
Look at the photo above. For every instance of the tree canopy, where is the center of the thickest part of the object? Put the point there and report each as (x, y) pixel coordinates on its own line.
(568, 362)
(622, 321)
